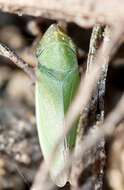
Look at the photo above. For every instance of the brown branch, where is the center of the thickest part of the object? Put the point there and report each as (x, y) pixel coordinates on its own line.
(85, 13)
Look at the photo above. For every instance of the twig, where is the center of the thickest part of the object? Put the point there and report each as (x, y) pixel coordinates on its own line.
(95, 42)
(85, 13)
(106, 129)
(92, 115)
(6, 52)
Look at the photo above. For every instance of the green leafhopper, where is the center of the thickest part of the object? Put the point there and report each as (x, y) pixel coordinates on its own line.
(56, 85)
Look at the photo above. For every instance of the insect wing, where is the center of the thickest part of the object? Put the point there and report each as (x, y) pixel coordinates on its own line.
(50, 122)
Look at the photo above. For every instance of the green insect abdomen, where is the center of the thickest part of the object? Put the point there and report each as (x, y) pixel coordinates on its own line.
(57, 82)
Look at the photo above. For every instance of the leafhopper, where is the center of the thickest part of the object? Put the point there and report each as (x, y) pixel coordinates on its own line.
(57, 80)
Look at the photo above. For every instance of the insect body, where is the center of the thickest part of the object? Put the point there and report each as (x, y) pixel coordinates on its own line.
(57, 82)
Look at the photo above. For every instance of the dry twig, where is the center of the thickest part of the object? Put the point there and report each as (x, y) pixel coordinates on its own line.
(85, 13)
(92, 115)
(6, 52)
